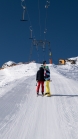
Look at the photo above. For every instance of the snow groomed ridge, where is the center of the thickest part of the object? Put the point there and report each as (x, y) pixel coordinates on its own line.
(23, 115)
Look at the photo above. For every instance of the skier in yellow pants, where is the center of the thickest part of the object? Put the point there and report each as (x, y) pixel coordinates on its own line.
(47, 80)
(47, 86)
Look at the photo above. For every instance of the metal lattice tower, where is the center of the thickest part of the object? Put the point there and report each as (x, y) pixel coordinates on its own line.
(43, 44)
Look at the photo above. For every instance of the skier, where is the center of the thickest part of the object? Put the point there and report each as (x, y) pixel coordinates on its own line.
(40, 78)
(47, 80)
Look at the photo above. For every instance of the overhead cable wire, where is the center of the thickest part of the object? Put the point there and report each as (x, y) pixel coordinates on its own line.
(39, 17)
(37, 52)
(30, 23)
(46, 25)
(45, 31)
(46, 7)
(31, 29)
(31, 50)
(23, 4)
(37, 46)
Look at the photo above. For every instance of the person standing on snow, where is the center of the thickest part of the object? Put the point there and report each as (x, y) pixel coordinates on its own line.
(47, 80)
(40, 78)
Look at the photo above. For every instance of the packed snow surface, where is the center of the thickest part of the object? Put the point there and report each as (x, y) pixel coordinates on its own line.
(23, 115)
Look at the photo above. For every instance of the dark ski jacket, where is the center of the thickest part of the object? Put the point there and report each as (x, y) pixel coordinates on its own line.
(47, 74)
(40, 74)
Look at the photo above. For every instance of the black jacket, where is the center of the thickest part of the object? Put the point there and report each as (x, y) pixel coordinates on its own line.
(40, 74)
(47, 74)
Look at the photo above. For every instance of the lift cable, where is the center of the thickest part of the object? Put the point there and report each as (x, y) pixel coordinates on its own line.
(35, 42)
(24, 7)
(32, 35)
(39, 17)
(44, 47)
(31, 50)
(37, 48)
(46, 7)
(30, 27)
(45, 30)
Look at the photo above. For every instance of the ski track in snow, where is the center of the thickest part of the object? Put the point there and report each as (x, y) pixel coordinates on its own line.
(23, 115)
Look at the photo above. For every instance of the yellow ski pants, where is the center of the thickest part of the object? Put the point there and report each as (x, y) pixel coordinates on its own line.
(47, 86)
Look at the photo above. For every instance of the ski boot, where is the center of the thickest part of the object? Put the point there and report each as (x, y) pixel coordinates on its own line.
(42, 94)
(37, 94)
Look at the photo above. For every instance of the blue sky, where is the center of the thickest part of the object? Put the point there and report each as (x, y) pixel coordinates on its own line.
(62, 30)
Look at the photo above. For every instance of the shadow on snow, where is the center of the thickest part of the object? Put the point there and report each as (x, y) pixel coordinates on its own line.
(59, 95)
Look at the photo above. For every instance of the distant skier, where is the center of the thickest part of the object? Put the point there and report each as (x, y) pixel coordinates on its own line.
(47, 80)
(40, 78)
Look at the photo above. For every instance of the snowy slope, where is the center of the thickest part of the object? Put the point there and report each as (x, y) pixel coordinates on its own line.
(73, 58)
(10, 74)
(7, 64)
(23, 115)
(69, 70)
